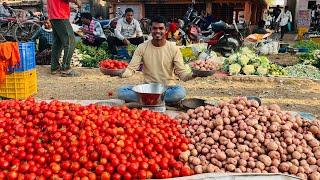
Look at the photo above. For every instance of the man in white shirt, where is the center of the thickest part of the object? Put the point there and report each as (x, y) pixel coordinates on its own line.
(285, 17)
(128, 31)
(5, 10)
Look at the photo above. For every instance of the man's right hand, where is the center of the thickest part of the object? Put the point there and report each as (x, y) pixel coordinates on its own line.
(126, 42)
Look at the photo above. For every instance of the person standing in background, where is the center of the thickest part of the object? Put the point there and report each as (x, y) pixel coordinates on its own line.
(63, 36)
(284, 18)
(317, 14)
(276, 12)
(268, 19)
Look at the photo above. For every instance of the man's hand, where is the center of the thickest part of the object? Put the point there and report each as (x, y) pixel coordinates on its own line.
(194, 76)
(126, 41)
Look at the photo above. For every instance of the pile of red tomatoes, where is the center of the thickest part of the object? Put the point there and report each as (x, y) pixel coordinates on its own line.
(70, 141)
(113, 64)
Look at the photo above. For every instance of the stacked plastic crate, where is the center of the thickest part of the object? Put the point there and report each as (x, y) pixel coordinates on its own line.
(21, 81)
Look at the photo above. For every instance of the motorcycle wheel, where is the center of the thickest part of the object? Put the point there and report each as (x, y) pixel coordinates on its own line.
(231, 46)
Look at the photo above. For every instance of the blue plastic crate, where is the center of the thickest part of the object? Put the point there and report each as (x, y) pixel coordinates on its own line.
(27, 57)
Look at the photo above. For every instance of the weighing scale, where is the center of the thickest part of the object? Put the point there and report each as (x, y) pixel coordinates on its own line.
(157, 108)
(151, 96)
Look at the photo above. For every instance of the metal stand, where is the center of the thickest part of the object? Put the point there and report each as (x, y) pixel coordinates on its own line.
(157, 108)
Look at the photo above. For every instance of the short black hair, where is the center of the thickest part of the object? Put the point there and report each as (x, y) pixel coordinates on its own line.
(158, 19)
(128, 10)
(86, 15)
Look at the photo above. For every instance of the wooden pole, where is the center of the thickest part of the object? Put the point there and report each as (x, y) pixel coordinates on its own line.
(208, 6)
(247, 11)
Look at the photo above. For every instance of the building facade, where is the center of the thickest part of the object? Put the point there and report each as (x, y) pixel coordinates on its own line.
(221, 9)
(32, 5)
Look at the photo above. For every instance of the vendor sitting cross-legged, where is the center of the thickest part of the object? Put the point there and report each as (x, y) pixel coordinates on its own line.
(162, 62)
(128, 31)
(93, 32)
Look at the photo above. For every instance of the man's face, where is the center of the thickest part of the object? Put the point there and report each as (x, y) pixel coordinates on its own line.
(4, 4)
(158, 31)
(85, 21)
(47, 24)
(129, 17)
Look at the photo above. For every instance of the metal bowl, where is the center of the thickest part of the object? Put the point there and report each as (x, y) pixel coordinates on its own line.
(111, 72)
(200, 73)
(255, 98)
(192, 103)
(150, 94)
(211, 102)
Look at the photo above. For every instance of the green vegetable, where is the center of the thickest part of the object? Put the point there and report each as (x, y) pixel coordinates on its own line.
(276, 70)
(91, 56)
(244, 60)
(131, 49)
(234, 69)
(248, 70)
(264, 61)
(233, 58)
(304, 71)
(309, 44)
(262, 71)
(187, 54)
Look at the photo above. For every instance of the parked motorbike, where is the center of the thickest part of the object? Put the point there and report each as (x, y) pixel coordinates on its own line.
(191, 17)
(225, 38)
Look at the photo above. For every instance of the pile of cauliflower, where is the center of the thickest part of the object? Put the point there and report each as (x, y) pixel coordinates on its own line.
(247, 62)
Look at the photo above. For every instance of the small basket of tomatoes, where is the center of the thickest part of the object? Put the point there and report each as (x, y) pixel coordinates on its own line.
(112, 67)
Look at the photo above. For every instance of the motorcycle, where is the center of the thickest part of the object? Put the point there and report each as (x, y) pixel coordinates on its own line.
(191, 17)
(196, 26)
(225, 38)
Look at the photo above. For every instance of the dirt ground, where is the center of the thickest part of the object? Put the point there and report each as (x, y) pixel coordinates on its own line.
(291, 94)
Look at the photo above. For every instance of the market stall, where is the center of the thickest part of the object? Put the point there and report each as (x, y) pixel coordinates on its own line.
(236, 139)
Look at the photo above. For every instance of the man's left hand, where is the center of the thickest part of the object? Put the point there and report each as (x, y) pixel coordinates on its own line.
(126, 41)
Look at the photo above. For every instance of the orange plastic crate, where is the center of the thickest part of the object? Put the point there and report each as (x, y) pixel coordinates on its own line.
(19, 85)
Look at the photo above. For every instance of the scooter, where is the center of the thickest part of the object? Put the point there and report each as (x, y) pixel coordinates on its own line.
(225, 38)
(191, 17)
